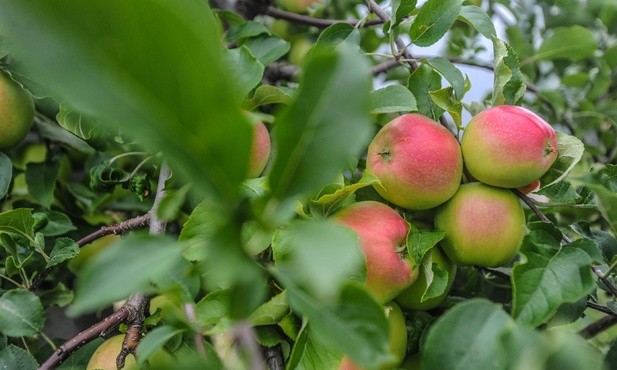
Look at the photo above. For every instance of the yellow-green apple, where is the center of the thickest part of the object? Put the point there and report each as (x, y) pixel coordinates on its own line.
(16, 112)
(508, 146)
(260, 150)
(411, 297)
(417, 161)
(483, 225)
(398, 340)
(382, 232)
(104, 358)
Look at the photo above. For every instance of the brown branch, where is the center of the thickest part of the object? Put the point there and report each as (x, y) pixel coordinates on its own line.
(189, 310)
(274, 357)
(69, 347)
(600, 275)
(139, 300)
(275, 12)
(121, 228)
(600, 308)
(597, 327)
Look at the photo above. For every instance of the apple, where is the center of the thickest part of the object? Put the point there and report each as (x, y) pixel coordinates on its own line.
(381, 231)
(300, 46)
(417, 161)
(398, 340)
(411, 297)
(508, 146)
(104, 358)
(297, 6)
(530, 188)
(260, 150)
(16, 112)
(483, 225)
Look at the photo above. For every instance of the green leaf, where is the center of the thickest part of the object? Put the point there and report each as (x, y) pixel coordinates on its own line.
(267, 49)
(125, 267)
(320, 256)
(508, 84)
(562, 193)
(308, 137)
(436, 278)
(420, 242)
(421, 82)
(445, 99)
(82, 126)
(15, 358)
(212, 308)
(41, 180)
(246, 30)
(58, 223)
(21, 313)
(467, 337)
(336, 35)
(64, 249)
(154, 341)
(574, 43)
(550, 274)
(309, 353)
(330, 200)
(433, 21)
(400, 10)
(478, 19)
(603, 182)
(6, 174)
(267, 94)
(247, 70)
(391, 99)
(17, 221)
(449, 71)
(55, 133)
(60, 296)
(272, 311)
(570, 150)
(356, 325)
(166, 86)
(172, 202)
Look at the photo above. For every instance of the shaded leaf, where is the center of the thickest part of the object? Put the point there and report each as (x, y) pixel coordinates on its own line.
(21, 313)
(6, 174)
(266, 48)
(574, 42)
(267, 94)
(41, 180)
(64, 249)
(478, 19)
(449, 71)
(15, 358)
(508, 84)
(154, 341)
(550, 274)
(246, 68)
(309, 353)
(400, 10)
(570, 150)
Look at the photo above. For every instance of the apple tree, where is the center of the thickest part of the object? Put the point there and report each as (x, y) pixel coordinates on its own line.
(216, 185)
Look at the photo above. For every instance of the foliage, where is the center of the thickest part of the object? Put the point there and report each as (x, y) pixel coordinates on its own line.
(124, 89)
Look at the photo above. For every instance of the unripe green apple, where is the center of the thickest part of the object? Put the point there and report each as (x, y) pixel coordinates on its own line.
(16, 112)
(411, 297)
(483, 225)
(260, 150)
(104, 358)
(508, 146)
(382, 232)
(417, 161)
(398, 340)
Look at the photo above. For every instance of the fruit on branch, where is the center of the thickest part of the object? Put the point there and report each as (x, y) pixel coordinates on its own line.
(508, 146)
(16, 112)
(104, 358)
(411, 297)
(260, 150)
(382, 232)
(417, 161)
(297, 6)
(533, 186)
(484, 225)
(397, 346)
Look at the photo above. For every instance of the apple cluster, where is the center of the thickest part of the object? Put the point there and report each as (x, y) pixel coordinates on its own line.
(420, 166)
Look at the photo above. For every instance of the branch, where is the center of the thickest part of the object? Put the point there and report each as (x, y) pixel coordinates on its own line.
(132, 312)
(274, 357)
(602, 277)
(601, 308)
(538, 212)
(275, 12)
(121, 228)
(189, 310)
(243, 332)
(597, 327)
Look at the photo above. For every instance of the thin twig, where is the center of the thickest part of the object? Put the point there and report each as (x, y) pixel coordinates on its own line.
(600, 308)
(189, 310)
(597, 327)
(121, 228)
(602, 277)
(243, 332)
(275, 12)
